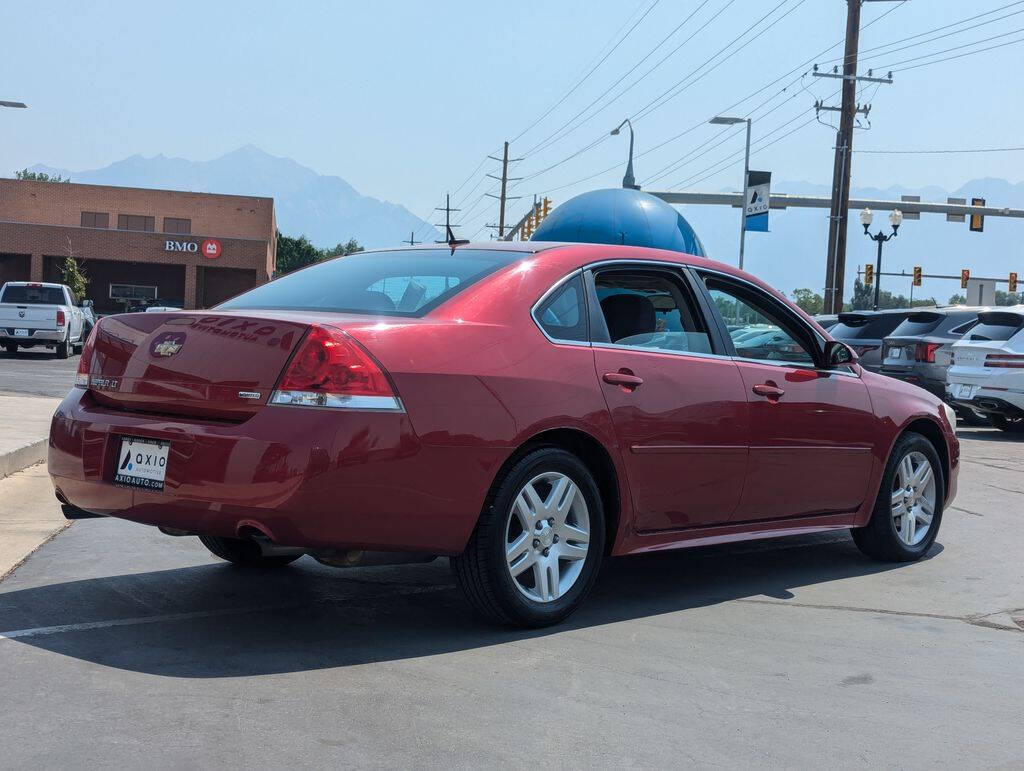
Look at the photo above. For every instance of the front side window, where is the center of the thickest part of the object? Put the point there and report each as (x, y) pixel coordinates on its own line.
(650, 309)
(399, 283)
(757, 329)
(563, 315)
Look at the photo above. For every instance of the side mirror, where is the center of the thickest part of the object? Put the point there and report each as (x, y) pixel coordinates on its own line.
(838, 354)
(86, 303)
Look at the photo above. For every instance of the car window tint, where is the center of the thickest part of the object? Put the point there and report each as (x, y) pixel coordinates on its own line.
(917, 324)
(996, 325)
(757, 330)
(868, 326)
(397, 283)
(650, 309)
(563, 315)
(33, 295)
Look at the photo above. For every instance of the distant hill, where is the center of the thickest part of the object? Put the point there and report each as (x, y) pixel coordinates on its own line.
(326, 209)
(792, 255)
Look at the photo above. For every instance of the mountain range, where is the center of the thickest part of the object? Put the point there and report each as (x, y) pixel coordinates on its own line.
(326, 209)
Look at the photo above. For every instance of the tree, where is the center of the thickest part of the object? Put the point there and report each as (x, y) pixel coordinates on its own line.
(809, 301)
(864, 299)
(340, 250)
(74, 277)
(958, 299)
(39, 176)
(1002, 298)
(295, 253)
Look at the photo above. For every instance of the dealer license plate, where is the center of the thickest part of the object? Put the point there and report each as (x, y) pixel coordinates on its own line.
(964, 391)
(21, 333)
(142, 463)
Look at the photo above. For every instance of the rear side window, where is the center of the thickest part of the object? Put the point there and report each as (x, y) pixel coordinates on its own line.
(868, 327)
(563, 315)
(33, 295)
(650, 309)
(400, 283)
(996, 326)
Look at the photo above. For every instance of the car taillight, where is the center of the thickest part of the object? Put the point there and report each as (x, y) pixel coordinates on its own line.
(926, 352)
(330, 369)
(85, 361)
(61, 318)
(1005, 360)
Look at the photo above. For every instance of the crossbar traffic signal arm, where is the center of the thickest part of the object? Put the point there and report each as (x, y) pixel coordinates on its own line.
(955, 277)
(784, 201)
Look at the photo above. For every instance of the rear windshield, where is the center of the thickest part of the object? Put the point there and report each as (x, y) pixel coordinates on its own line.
(995, 326)
(871, 328)
(399, 283)
(33, 295)
(917, 324)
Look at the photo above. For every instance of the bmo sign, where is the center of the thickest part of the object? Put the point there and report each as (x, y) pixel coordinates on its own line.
(210, 248)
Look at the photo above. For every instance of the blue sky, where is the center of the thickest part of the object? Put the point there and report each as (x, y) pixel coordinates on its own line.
(404, 99)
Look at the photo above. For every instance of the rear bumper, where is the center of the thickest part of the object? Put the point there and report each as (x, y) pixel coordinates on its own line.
(303, 477)
(46, 336)
(994, 403)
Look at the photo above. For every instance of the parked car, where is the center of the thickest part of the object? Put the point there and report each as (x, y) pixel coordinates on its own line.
(864, 331)
(34, 313)
(827, 320)
(920, 348)
(987, 373)
(524, 409)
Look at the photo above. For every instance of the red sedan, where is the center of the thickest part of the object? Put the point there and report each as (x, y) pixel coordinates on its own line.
(524, 409)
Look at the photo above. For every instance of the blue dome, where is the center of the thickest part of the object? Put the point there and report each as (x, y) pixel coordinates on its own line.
(620, 216)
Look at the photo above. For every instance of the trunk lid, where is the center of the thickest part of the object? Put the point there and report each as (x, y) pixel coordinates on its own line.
(207, 364)
(28, 316)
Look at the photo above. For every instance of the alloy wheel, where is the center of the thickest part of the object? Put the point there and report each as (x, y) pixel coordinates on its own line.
(547, 537)
(913, 498)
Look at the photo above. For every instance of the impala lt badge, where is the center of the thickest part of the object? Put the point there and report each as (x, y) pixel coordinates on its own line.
(249, 394)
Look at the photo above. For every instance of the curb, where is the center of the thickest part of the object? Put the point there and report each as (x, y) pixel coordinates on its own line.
(23, 457)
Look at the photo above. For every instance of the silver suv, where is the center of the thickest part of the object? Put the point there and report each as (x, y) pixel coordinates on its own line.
(864, 330)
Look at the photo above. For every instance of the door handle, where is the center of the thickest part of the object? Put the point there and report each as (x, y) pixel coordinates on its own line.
(772, 392)
(627, 380)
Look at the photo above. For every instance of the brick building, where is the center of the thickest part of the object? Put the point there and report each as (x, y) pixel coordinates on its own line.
(135, 244)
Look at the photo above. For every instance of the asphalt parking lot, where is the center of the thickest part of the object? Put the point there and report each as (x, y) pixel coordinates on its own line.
(124, 647)
(37, 371)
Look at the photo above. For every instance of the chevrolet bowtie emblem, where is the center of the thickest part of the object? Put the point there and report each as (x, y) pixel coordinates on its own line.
(166, 348)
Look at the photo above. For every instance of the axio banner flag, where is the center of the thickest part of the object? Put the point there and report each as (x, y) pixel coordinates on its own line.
(756, 197)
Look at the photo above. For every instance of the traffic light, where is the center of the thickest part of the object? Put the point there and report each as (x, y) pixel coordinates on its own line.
(1012, 283)
(528, 226)
(547, 207)
(917, 275)
(977, 220)
(965, 276)
(869, 274)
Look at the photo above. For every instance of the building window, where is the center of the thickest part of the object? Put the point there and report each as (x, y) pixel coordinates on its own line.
(177, 225)
(95, 219)
(135, 222)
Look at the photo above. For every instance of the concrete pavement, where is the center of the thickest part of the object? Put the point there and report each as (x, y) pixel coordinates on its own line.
(37, 372)
(24, 428)
(122, 646)
(29, 515)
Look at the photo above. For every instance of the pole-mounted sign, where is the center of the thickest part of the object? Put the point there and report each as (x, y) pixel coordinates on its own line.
(755, 200)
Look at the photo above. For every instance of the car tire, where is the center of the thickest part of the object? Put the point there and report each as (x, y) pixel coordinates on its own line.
(557, 562)
(1010, 425)
(11, 348)
(63, 349)
(244, 553)
(885, 538)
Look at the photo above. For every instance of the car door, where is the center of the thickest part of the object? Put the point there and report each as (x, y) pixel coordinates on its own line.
(810, 428)
(675, 397)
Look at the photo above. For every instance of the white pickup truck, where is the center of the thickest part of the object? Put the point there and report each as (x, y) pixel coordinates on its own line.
(33, 313)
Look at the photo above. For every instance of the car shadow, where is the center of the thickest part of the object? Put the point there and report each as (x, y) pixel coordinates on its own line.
(210, 621)
(986, 434)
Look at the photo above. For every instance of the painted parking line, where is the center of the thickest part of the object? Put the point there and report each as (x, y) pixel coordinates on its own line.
(138, 620)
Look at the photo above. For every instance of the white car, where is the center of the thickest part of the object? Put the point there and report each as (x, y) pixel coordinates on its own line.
(987, 373)
(36, 314)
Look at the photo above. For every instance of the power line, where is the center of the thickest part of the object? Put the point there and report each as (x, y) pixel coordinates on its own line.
(894, 65)
(943, 152)
(592, 70)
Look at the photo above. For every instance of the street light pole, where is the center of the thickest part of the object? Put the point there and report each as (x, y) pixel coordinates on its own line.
(720, 120)
(628, 181)
(895, 219)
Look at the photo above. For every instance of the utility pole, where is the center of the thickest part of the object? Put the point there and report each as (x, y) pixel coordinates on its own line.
(504, 189)
(835, 265)
(448, 234)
